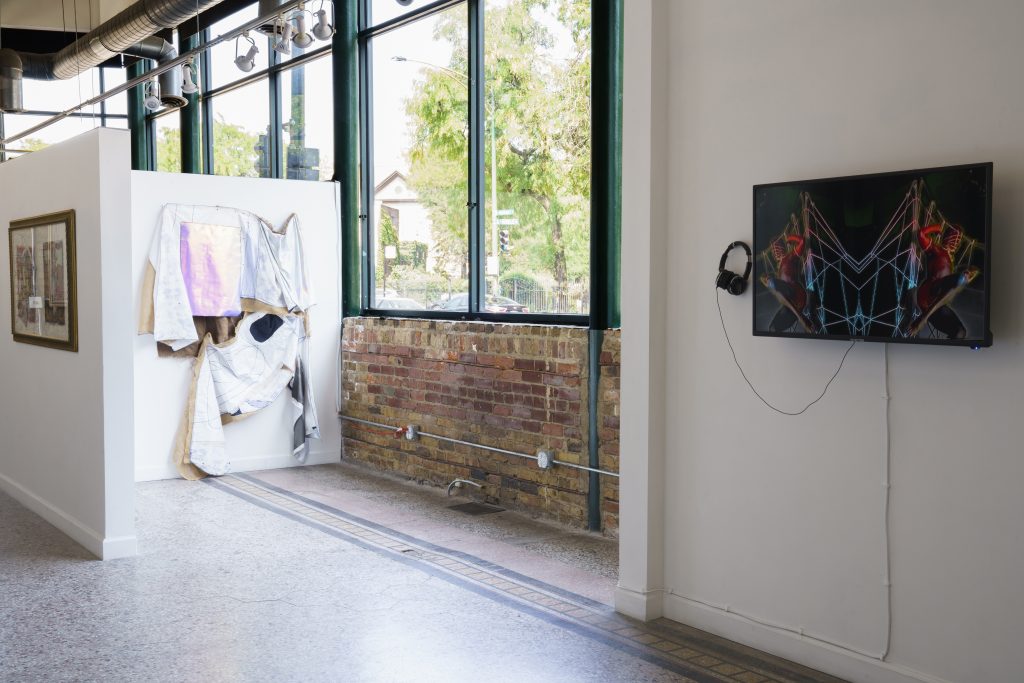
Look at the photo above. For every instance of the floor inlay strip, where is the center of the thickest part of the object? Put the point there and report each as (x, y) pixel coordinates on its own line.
(700, 659)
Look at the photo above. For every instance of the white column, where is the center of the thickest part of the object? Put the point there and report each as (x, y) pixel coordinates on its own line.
(641, 532)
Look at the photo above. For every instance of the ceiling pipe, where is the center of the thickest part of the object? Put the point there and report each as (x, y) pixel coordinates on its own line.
(10, 81)
(161, 51)
(131, 28)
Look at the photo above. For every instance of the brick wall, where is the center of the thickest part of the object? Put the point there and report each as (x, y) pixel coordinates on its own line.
(517, 387)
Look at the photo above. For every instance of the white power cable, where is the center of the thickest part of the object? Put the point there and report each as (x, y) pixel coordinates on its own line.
(886, 488)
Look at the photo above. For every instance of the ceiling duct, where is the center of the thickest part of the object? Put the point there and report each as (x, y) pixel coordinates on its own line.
(128, 32)
(10, 81)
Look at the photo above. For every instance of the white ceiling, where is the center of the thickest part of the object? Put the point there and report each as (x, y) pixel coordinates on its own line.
(47, 14)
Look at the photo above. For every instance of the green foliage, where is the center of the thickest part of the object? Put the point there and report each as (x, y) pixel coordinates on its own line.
(539, 108)
(32, 144)
(168, 150)
(387, 235)
(418, 284)
(234, 150)
(412, 254)
(509, 284)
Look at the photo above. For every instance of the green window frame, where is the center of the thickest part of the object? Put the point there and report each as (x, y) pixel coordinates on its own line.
(353, 144)
(197, 119)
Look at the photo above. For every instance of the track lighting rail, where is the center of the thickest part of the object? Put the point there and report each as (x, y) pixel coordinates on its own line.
(149, 75)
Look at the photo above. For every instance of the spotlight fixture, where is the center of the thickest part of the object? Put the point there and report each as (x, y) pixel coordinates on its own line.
(323, 29)
(188, 79)
(247, 61)
(302, 39)
(284, 30)
(152, 101)
(404, 3)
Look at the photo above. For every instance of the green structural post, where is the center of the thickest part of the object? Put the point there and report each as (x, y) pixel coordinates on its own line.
(137, 120)
(605, 216)
(345, 56)
(191, 120)
(606, 184)
(596, 341)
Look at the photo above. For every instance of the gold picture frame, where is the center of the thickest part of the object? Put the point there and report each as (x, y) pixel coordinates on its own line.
(44, 292)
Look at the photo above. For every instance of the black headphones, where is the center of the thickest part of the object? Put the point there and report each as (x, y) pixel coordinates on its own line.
(730, 281)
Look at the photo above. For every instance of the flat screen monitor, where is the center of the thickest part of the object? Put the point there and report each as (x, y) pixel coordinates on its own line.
(888, 257)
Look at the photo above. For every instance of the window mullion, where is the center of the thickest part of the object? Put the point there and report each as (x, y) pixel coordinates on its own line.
(477, 285)
(274, 132)
(207, 107)
(366, 156)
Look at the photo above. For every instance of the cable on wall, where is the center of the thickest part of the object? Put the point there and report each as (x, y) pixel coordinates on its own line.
(886, 488)
(886, 497)
(725, 331)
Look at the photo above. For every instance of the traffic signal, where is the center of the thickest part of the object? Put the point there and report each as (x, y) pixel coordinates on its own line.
(505, 239)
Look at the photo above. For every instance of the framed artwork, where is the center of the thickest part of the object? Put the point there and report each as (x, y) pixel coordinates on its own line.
(44, 305)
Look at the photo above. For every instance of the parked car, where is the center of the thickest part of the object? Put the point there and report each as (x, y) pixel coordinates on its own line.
(399, 303)
(492, 304)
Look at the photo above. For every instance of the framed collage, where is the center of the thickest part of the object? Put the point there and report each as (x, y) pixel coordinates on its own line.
(44, 305)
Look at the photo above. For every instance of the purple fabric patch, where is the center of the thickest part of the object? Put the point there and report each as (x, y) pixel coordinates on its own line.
(211, 263)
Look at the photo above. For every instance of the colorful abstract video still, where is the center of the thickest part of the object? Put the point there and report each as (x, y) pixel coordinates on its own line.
(887, 257)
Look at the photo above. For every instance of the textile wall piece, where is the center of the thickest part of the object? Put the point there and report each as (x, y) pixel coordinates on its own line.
(211, 264)
(236, 379)
(273, 274)
(303, 411)
(206, 265)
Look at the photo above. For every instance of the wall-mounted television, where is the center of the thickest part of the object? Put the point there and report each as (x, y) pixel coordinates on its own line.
(888, 257)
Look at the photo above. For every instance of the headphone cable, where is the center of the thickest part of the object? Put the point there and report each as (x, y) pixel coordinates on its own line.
(735, 360)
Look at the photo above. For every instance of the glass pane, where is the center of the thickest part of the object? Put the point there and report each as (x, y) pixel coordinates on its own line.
(58, 132)
(537, 156)
(420, 147)
(58, 95)
(240, 122)
(222, 57)
(118, 104)
(307, 108)
(168, 143)
(382, 10)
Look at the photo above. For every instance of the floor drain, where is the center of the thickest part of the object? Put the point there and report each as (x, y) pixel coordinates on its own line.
(476, 508)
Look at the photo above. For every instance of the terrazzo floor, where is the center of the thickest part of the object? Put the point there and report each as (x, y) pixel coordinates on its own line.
(331, 574)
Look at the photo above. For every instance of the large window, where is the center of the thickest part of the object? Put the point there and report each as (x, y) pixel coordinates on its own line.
(44, 99)
(478, 188)
(273, 119)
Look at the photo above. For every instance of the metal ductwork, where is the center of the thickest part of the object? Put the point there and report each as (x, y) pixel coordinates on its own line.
(128, 32)
(10, 81)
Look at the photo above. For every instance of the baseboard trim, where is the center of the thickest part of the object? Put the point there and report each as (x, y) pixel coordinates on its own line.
(121, 546)
(261, 462)
(813, 653)
(83, 534)
(643, 605)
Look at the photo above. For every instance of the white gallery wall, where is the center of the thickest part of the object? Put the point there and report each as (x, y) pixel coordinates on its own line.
(262, 440)
(772, 530)
(66, 418)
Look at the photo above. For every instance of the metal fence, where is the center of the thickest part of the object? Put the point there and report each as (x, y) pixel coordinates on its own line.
(574, 299)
